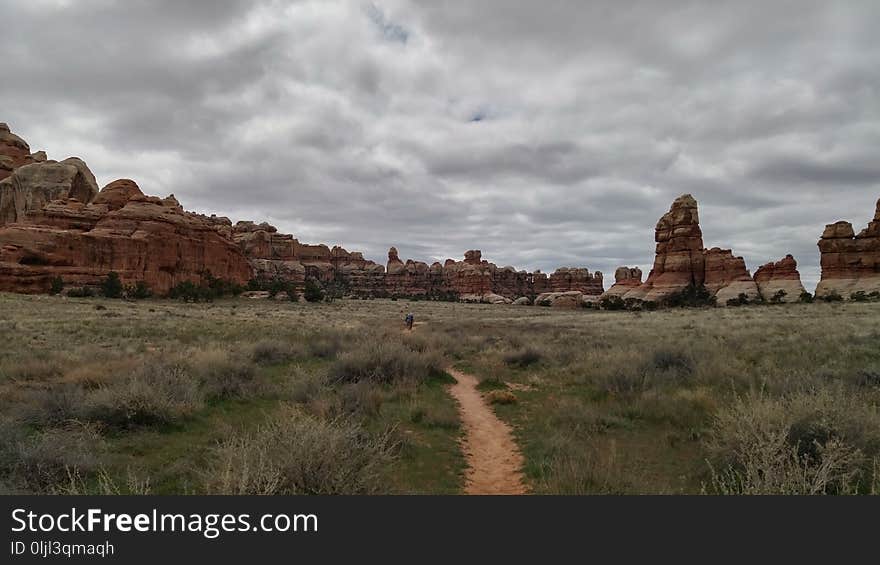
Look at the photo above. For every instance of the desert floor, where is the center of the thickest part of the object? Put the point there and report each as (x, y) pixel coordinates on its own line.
(258, 396)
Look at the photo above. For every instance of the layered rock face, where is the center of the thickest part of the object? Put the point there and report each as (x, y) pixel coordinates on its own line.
(727, 277)
(29, 181)
(143, 239)
(55, 224)
(780, 277)
(850, 261)
(281, 256)
(625, 280)
(681, 260)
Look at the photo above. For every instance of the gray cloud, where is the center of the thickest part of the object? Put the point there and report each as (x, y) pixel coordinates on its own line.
(546, 133)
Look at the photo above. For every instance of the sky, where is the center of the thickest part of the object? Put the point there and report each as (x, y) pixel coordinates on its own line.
(547, 134)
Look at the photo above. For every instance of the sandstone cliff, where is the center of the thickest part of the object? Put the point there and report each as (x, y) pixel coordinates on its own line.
(850, 261)
(780, 279)
(681, 260)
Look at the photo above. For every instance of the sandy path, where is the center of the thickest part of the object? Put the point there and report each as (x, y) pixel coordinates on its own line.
(494, 460)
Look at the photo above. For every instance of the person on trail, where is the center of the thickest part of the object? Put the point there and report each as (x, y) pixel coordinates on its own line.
(410, 319)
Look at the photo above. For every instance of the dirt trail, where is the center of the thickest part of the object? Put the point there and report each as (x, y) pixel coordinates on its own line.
(494, 460)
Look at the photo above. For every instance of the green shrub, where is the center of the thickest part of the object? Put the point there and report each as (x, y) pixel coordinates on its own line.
(806, 298)
(207, 290)
(81, 292)
(693, 296)
(779, 297)
(612, 303)
(112, 286)
(56, 285)
(139, 291)
(833, 296)
(313, 291)
(860, 296)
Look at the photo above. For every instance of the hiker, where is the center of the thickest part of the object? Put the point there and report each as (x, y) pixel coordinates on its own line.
(410, 319)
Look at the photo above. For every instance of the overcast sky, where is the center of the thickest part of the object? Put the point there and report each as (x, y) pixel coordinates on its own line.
(547, 134)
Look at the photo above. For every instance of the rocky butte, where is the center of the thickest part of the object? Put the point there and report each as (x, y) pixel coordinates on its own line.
(780, 280)
(681, 260)
(850, 261)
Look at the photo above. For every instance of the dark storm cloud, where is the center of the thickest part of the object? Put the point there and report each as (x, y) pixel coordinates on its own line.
(546, 133)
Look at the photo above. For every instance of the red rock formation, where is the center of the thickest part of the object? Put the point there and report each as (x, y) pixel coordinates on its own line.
(577, 280)
(59, 225)
(780, 276)
(146, 239)
(117, 194)
(850, 262)
(625, 280)
(727, 277)
(14, 152)
(681, 260)
(32, 186)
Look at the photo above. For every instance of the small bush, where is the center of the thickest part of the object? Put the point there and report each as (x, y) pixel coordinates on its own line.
(207, 289)
(385, 362)
(860, 296)
(139, 291)
(672, 360)
(220, 375)
(360, 398)
(271, 352)
(779, 297)
(523, 358)
(613, 303)
(324, 345)
(621, 382)
(833, 296)
(155, 395)
(806, 298)
(297, 454)
(112, 286)
(56, 285)
(813, 442)
(693, 296)
(81, 292)
(313, 291)
(45, 462)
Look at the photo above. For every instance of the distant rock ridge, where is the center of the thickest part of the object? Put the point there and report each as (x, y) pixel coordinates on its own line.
(54, 222)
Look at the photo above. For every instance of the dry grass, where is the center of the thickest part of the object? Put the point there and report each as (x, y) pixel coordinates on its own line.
(606, 402)
(296, 454)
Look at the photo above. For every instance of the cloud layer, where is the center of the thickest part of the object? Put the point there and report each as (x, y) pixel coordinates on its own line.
(548, 134)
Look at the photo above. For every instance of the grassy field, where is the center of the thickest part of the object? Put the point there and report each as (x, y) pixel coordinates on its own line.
(244, 396)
